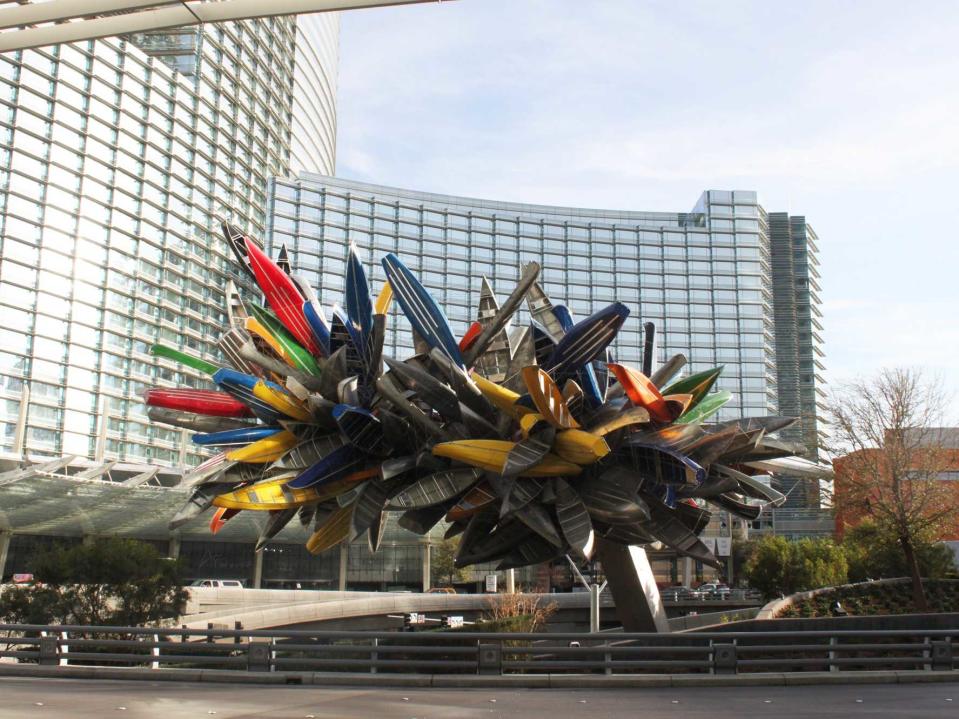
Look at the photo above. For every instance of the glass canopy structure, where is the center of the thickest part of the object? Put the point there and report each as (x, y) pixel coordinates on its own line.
(28, 24)
(69, 500)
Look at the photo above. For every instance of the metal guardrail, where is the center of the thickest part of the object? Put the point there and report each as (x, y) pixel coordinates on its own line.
(480, 652)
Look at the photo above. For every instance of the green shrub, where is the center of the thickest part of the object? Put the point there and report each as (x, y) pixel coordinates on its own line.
(113, 582)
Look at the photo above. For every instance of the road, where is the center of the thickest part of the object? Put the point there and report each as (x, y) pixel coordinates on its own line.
(80, 699)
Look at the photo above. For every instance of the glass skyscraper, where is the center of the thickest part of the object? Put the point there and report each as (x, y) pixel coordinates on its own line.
(704, 277)
(116, 158)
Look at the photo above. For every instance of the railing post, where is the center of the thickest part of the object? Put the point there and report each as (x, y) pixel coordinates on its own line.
(607, 659)
(259, 657)
(155, 652)
(209, 632)
(49, 651)
(942, 655)
(489, 659)
(724, 658)
(64, 648)
(833, 642)
(374, 655)
(237, 625)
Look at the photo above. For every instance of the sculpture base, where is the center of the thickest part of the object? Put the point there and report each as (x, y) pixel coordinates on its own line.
(631, 581)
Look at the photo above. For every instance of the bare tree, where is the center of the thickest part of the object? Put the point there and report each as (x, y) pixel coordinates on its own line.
(890, 430)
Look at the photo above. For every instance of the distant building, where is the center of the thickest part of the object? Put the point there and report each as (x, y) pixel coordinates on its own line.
(942, 441)
(717, 287)
(798, 321)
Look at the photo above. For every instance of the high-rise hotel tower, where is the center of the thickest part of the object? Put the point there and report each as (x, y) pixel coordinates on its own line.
(116, 157)
(725, 283)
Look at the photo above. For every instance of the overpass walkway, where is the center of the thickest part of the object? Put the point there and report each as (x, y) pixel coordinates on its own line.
(276, 608)
(270, 609)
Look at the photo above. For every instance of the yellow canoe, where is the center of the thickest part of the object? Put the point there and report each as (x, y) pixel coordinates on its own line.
(254, 326)
(268, 449)
(490, 454)
(548, 399)
(572, 391)
(384, 299)
(273, 493)
(282, 402)
(575, 445)
(500, 397)
(334, 531)
(532, 422)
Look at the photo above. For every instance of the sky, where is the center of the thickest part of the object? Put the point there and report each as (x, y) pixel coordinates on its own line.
(847, 113)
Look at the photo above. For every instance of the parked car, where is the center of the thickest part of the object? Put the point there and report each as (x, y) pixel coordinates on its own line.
(713, 590)
(441, 590)
(680, 594)
(219, 583)
(670, 594)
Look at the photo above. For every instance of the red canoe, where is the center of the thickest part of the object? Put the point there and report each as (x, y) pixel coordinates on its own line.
(642, 392)
(283, 296)
(201, 401)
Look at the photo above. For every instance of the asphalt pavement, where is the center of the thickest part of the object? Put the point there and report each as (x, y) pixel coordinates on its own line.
(80, 699)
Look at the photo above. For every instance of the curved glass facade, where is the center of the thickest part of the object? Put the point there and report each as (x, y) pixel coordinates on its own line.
(702, 276)
(114, 162)
(313, 140)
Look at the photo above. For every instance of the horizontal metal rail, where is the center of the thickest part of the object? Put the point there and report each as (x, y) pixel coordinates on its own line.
(470, 652)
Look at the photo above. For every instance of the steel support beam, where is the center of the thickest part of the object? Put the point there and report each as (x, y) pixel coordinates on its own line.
(425, 563)
(20, 433)
(638, 604)
(4, 551)
(344, 565)
(257, 569)
(594, 590)
(173, 550)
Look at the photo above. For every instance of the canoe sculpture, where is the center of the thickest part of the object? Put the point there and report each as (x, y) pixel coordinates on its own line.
(528, 442)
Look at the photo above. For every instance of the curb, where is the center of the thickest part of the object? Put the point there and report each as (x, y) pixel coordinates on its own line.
(467, 681)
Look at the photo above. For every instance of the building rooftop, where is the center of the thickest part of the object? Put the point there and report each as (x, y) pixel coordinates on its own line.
(942, 437)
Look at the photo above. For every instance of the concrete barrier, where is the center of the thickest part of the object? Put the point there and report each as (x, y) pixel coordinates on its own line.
(542, 681)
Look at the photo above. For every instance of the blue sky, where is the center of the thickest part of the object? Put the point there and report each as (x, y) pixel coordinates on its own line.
(847, 113)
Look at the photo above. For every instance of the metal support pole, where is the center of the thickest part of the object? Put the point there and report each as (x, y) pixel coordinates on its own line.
(511, 581)
(173, 549)
(20, 433)
(729, 577)
(425, 563)
(344, 564)
(101, 445)
(687, 571)
(4, 551)
(594, 590)
(258, 569)
(184, 443)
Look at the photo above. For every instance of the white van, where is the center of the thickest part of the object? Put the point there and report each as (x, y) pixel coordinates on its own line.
(232, 583)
